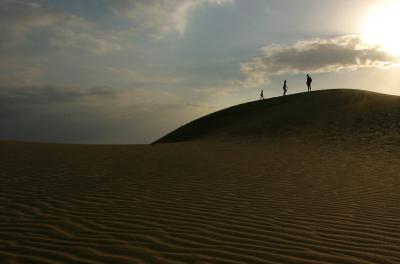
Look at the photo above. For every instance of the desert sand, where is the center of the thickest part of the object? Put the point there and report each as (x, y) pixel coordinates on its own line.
(305, 178)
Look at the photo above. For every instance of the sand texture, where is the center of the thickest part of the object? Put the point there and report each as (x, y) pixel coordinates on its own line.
(324, 191)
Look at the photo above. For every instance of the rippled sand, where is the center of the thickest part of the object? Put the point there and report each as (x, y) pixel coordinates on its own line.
(200, 202)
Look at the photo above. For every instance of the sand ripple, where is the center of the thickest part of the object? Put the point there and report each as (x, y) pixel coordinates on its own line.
(199, 203)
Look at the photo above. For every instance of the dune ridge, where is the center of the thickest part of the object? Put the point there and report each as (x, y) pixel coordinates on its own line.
(300, 198)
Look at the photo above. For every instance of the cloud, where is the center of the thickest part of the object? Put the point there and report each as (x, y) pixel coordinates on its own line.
(21, 20)
(160, 17)
(138, 78)
(72, 39)
(314, 56)
(18, 18)
(21, 70)
(91, 115)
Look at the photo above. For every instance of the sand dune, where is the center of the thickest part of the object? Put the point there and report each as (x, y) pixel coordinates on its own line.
(305, 196)
(326, 114)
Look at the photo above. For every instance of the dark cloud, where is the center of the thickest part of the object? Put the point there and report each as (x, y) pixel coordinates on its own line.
(95, 115)
(313, 56)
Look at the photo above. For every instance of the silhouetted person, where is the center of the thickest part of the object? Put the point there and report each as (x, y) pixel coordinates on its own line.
(262, 95)
(309, 81)
(285, 87)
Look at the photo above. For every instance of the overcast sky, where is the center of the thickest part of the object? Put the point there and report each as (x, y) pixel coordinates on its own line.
(129, 71)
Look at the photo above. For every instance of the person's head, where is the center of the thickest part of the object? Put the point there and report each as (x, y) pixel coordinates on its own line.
(308, 75)
(285, 81)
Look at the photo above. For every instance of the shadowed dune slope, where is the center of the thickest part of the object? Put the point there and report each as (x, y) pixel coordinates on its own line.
(326, 113)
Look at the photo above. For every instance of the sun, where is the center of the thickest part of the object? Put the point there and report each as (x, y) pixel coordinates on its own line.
(381, 26)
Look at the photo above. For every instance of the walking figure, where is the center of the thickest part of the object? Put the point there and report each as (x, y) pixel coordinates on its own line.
(262, 95)
(285, 87)
(309, 81)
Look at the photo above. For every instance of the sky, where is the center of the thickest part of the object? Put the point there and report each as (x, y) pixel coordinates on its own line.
(130, 71)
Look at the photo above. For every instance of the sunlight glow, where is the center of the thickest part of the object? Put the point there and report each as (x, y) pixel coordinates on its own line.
(381, 26)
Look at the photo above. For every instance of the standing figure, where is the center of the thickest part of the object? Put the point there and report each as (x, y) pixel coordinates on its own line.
(285, 87)
(309, 81)
(262, 95)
